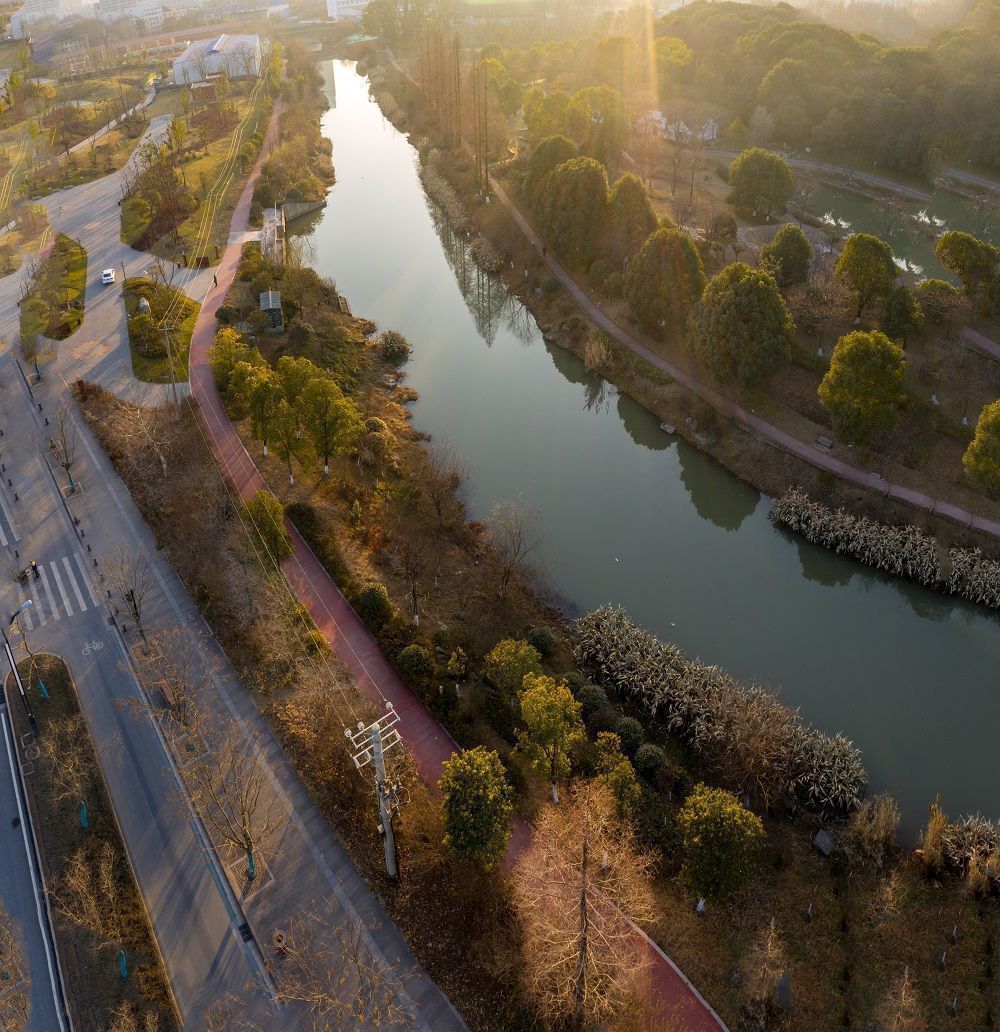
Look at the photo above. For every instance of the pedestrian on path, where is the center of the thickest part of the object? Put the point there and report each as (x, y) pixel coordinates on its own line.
(34, 568)
(215, 280)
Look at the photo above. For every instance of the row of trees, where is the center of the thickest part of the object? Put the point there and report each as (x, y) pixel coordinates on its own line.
(788, 81)
(294, 406)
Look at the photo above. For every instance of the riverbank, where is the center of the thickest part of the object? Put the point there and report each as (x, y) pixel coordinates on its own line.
(746, 452)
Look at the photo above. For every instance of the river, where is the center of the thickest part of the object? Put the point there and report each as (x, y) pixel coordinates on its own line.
(630, 515)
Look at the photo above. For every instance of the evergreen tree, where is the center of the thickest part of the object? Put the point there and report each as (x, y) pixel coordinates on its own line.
(478, 804)
(632, 214)
(982, 458)
(866, 266)
(789, 255)
(863, 387)
(574, 209)
(760, 182)
(902, 315)
(664, 279)
(741, 328)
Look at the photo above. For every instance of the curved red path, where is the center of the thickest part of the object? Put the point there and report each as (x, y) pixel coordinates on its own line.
(430, 744)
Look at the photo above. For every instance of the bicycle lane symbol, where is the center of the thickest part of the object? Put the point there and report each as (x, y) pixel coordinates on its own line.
(92, 646)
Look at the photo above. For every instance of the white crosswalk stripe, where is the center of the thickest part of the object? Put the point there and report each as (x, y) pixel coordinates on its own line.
(51, 597)
(8, 535)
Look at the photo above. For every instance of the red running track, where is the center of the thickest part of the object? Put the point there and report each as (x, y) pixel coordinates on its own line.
(674, 1001)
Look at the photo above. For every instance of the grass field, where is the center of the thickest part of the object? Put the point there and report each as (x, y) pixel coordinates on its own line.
(215, 177)
(155, 368)
(89, 956)
(69, 261)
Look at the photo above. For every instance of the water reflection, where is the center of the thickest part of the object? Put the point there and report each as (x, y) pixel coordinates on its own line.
(725, 509)
(660, 528)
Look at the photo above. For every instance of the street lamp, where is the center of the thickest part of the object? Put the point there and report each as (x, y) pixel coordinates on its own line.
(13, 666)
(123, 271)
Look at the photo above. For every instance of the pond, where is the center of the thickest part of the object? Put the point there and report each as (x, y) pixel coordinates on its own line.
(910, 227)
(630, 515)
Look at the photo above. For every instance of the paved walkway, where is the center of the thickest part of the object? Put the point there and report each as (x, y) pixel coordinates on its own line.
(427, 740)
(817, 457)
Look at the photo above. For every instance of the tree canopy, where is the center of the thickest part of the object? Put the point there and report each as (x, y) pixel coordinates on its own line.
(863, 387)
(741, 328)
(552, 151)
(665, 278)
(722, 841)
(478, 804)
(982, 458)
(760, 182)
(632, 214)
(553, 728)
(973, 261)
(866, 266)
(574, 209)
(902, 315)
(789, 255)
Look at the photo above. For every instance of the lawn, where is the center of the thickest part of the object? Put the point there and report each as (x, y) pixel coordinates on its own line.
(215, 176)
(89, 956)
(60, 281)
(154, 367)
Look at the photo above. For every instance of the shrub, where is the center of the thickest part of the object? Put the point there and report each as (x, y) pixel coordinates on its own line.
(650, 760)
(394, 347)
(477, 805)
(263, 513)
(373, 606)
(982, 458)
(415, 664)
(575, 680)
(630, 731)
(509, 662)
(225, 315)
(722, 841)
(592, 698)
(614, 285)
(542, 640)
(870, 837)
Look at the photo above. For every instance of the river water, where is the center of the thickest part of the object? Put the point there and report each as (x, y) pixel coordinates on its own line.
(630, 515)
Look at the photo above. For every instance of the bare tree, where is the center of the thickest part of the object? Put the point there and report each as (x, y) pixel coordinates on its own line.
(125, 1019)
(228, 788)
(64, 443)
(446, 469)
(181, 672)
(88, 894)
(36, 350)
(412, 566)
(64, 751)
(147, 428)
(131, 576)
(327, 967)
(514, 534)
(572, 890)
(15, 996)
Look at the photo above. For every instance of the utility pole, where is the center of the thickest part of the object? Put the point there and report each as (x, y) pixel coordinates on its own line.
(165, 330)
(371, 743)
(13, 667)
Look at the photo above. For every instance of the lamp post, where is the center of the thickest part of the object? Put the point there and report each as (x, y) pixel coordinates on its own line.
(123, 272)
(13, 666)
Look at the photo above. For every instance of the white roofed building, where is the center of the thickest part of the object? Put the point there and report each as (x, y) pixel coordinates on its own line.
(346, 10)
(237, 55)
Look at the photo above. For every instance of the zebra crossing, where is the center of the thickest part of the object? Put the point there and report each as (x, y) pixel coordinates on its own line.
(8, 535)
(62, 589)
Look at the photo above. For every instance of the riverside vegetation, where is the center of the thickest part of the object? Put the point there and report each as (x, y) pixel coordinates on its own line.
(379, 511)
(611, 229)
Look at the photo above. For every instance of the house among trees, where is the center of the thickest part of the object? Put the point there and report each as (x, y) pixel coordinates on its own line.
(239, 56)
(270, 305)
(681, 131)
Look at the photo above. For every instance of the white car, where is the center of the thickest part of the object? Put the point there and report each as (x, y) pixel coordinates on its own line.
(108, 276)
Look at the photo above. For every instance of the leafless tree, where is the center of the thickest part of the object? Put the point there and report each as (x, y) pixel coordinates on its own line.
(182, 673)
(765, 963)
(412, 566)
(15, 997)
(446, 469)
(326, 966)
(148, 429)
(572, 891)
(64, 752)
(228, 786)
(163, 272)
(125, 1019)
(88, 893)
(64, 443)
(131, 577)
(514, 534)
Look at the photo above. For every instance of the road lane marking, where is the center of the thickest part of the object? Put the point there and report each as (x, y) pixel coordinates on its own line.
(86, 579)
(74, 585)
(62, 590)
(50, 598)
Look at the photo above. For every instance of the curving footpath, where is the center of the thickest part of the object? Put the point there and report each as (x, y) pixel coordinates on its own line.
(672, 997)
(773, 434)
